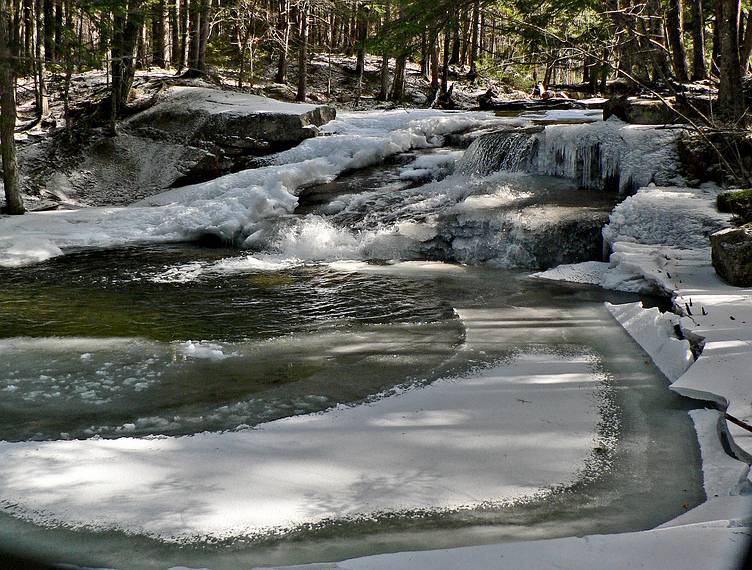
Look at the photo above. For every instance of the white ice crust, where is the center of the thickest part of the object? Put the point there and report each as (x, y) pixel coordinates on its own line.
(444, 446)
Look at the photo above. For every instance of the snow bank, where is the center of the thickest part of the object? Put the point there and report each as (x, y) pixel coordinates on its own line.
(659, 239)
(702, 546)
(434, 448)
(654, 332)
(670, 217)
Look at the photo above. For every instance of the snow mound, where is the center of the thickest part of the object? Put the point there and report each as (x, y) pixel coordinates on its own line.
(674, 217)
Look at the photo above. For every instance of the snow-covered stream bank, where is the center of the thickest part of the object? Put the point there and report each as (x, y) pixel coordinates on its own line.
(542, 420)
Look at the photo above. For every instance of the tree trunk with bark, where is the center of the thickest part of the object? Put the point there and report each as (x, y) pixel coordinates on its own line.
(127, 31)
(474, 42)
(730, 98)
(398, 84)
(13, 201)
(158, 34)
(194, 33)
(303, 54)
(203, 34)
(699, 71)
(746, 49)
(675, 33)
(42, 101)
(445, 67)
(183, 23)
(384, 88)
(48, 25)
(283, 26)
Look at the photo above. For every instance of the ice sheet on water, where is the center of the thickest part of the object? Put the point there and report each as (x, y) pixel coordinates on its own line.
(431, 166)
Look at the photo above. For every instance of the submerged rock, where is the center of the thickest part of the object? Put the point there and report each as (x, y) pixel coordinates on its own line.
(732, 255)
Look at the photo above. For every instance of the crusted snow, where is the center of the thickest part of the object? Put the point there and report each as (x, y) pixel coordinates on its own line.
(187, 100)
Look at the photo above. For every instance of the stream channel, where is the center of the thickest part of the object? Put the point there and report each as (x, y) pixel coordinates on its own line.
(175, 340)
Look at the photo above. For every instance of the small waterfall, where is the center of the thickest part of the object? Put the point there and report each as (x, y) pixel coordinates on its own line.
(607, 155)
(610, 155)
(512, 151)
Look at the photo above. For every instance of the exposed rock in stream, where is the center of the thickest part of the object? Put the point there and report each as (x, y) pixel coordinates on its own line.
(191, 135)
(732, 255)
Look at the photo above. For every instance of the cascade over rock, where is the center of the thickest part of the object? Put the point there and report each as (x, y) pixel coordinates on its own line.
(608, 155)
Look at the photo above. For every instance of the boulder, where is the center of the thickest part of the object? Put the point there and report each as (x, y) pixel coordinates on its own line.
(732, 255)
(640, 110)
(197, 114)
(193, 134)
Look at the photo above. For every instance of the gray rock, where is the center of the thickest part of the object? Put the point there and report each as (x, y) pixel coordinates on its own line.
(732, 255)
(196, 114)
(640, 111)
(192, 134)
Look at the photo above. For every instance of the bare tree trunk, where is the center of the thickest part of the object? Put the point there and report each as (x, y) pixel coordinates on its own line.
(699, 71)
(730, 99)
(434, 48)
(49, 30)
(455, 59)
(474, 42)
(203, 36)
(13, 201)
(194, 32)
(67, 49)
(158, 34)
(746, 51)
(303, 54)
(675, 33)
(718, 17)
(360, 64)
(283, 25)
(445, 66)
(28, 50)
(384, 91)
(398, 85)
(127, 31)
(183, 23)
(174, 33)
(58, 29)
(42, 101)
(424, 57)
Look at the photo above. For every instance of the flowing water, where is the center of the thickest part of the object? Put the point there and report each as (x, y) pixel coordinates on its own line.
(179, 340)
